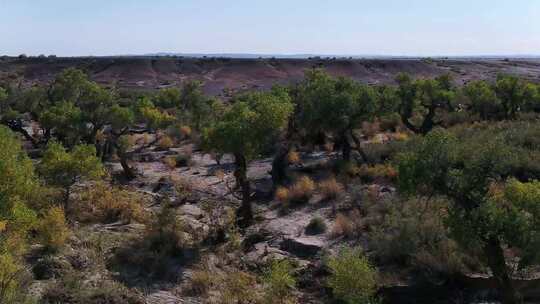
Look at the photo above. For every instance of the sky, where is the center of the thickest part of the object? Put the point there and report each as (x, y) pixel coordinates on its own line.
(339, 27)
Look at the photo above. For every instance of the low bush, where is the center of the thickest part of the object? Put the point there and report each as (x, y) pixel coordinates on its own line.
(293, 157)
(377, 172)
(412, 233)
(201, 282)
(165, 142)
(302, 190)
(316, 225)
(183, 160)
(238, 287)
(343, 226)
(169, 162)
(352, 278)
(330, 188)
(279, 283)
(100, 202)
(283, 196)
(53, 230)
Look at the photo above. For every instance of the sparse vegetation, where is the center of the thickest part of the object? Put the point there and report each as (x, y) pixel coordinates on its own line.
(121, 200)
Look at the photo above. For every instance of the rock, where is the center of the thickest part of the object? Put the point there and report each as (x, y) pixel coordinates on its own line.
(191, 210)
(303, 246)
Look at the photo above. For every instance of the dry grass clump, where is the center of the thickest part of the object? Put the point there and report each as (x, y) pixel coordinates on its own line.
(302, 190)
(378, 171)
(330, 188)
(316, 225)
(182, 186)
(104, 203)
(238, 287)
(346, 226)
(165, 142)
(201, 282)
(293, 157)
(400, 136)
(170, 162)
(53, 230)
(283, 195)
(185, 131)
(220, 174)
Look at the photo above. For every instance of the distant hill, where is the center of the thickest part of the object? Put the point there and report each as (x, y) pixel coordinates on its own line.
(220, 71)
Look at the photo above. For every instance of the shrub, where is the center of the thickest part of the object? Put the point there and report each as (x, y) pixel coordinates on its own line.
(412, 233)
(330, 188)
(376, 172)
(14, 279)
(352, 279)
(165, 142)
(183, 160)
(170, 162)
(283, 195)
(165, 234)
(103, 203)
(302, 190)
(237, 287)
(279, 282)
(343, 226)
(155, 253)
(293, 157)
(316, 226)
(53, 230)
(185, 131)
(201, 281)
(71, 290)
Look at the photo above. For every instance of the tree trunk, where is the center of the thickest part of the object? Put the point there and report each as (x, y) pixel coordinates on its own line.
(497, 263)
(128, 171)
(345, 147)
(245, 212)
(279, 166)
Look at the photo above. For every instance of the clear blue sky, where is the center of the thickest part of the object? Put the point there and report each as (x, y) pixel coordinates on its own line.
(347, 27)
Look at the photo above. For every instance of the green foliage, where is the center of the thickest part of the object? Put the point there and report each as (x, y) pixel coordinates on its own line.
(154, 118)
(65, 119)
(250, 125)
(63, 169)
(280, 282)
(52, 229)
(422, 100)
(336, 106)
(168, 98)
(18, 189)
(483, 100)
(513, 94)
(353, 279)
(121, 117)
(316, 225)
(468, 173)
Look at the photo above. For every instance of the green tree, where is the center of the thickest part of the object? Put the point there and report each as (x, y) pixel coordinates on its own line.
(334, 106)
(513, 93)
(247, 129)
(420, 101)
(63, 168)
(19, 187)
(469, 173)
(168, 98)
(482, 99)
